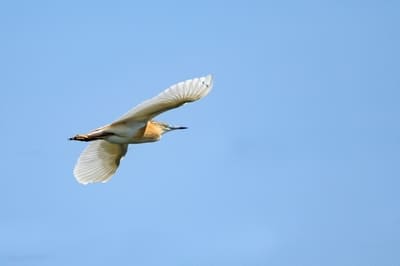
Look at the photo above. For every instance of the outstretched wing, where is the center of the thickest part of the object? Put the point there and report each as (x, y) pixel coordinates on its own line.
(186, 91)
(99, 161)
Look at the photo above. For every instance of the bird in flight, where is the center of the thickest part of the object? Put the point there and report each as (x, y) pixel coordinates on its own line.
(109, 143)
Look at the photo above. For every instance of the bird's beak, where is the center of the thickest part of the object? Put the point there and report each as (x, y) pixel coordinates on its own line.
(174, 128)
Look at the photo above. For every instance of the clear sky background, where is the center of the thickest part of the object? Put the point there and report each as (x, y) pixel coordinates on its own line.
(292, 159)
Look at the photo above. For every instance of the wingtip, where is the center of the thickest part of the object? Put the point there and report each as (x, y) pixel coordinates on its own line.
(208, 82)
(209, 78)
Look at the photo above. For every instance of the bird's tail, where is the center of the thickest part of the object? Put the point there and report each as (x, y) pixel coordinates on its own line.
(96, 134)
(81, 137)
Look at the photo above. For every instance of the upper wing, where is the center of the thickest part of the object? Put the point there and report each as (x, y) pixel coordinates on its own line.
(99, 161)
(186, 91)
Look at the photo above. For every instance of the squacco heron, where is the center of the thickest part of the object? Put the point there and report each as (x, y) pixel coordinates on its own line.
(109, 144)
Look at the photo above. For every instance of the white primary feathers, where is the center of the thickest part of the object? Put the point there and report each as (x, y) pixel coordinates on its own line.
(101, 158)
(99, 161)
(183, 92)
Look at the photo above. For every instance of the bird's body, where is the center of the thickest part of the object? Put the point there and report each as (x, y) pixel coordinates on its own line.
(99, 161)
(151, 131)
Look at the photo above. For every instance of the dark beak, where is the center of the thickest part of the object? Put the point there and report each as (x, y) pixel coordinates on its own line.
(173, 128)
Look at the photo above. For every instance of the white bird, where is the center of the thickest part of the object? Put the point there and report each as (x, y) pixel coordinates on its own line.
(101, 158)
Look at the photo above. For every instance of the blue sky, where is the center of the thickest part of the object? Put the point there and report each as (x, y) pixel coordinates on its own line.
(293, 158)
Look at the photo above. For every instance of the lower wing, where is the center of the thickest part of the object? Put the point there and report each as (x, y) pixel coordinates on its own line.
(99, 161)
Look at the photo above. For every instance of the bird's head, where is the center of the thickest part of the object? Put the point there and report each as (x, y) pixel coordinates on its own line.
(166, 128)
